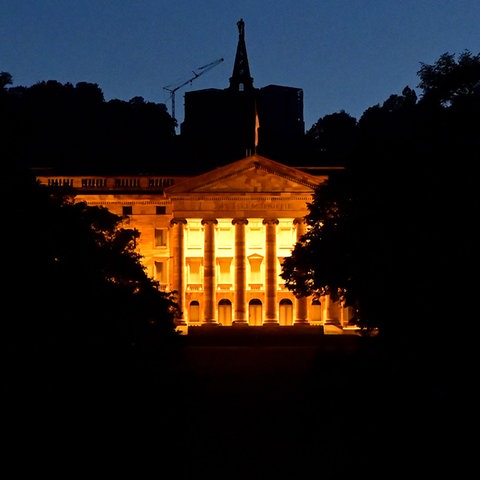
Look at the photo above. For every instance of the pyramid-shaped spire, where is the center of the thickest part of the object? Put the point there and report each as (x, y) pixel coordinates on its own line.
(241, 79)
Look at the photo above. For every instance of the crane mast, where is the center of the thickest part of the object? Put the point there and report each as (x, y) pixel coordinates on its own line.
(196, 73)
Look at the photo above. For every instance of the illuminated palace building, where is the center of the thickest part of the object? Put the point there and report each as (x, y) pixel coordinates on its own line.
(218, 238)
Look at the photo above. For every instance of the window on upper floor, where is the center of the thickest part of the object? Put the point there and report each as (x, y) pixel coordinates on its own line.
(224, 238)
(194, 238)
(286, 237)
(161, 235)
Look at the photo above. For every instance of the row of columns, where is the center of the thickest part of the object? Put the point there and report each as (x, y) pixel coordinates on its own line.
(240, 300)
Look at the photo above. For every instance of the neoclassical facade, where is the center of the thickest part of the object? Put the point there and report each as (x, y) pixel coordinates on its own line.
(218, 239)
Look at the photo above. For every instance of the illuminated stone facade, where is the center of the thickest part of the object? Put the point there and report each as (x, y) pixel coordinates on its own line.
(219, 238)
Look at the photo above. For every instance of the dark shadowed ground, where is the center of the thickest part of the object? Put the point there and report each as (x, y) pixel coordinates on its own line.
(256, 408)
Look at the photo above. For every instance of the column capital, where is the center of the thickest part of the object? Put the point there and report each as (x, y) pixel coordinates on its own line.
(209, 221)
(270, 221)
(178, 220)
(240, 221)
(299, 220)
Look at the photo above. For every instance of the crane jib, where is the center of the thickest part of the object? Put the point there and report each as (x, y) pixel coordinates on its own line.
(197, 73)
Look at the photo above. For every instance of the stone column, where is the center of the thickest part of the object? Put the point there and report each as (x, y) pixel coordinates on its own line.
(330, 317)
(178, 260)
(301, 312)
(271, 277)
(240, 299)
(209, 287)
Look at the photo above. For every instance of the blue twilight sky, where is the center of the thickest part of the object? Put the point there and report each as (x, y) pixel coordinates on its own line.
(345, 54)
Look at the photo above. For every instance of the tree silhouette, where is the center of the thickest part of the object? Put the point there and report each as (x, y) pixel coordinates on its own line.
(398, 226)
(5, 79)
(331, 140)
(71, 129)
(448, 79)
(75, 279)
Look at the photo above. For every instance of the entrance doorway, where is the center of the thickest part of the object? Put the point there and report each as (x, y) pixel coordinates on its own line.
(255, 312)
(286, 312)
(225, 312)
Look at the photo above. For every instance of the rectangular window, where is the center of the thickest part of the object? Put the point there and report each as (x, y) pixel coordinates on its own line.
(194, 270)
(225, 238)
(127, 210)
(224, 270)
(255, 269)
(286, 237)
(255, 273)
(160, 210)
(161, 237)
(255, 237)
(194, 238)
(160, 273)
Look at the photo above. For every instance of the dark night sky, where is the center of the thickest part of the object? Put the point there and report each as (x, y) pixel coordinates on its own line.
(345, 54)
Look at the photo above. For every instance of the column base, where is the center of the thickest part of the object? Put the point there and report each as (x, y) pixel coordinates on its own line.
(332, 321)
(301, 322)
(239, 323)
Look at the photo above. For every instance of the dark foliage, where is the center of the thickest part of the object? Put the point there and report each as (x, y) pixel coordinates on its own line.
(73, 277)
(397, 229)
(331, 140)
(450, 79)
(71, 129)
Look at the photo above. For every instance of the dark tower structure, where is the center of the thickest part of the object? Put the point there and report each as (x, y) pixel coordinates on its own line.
(241, 80)
(281, 127)
(221, 126)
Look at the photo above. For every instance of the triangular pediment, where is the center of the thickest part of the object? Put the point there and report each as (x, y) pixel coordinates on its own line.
(254, 174)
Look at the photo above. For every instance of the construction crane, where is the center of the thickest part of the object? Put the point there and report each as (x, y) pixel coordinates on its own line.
(196, 73)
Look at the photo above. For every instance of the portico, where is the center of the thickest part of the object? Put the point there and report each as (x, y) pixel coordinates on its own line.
(238, 223)
(242, 274)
